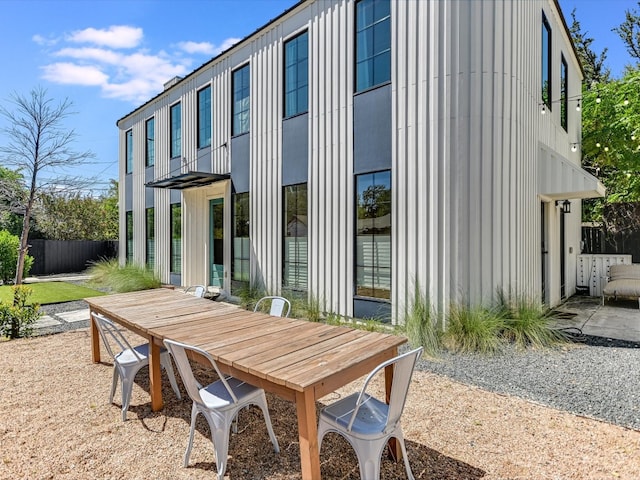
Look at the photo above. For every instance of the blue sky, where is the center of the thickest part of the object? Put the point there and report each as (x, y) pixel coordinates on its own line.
(109, 56)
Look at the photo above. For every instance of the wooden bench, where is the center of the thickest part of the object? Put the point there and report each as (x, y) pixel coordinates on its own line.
(623, 282)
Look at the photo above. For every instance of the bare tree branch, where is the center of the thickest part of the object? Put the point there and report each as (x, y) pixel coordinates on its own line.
(38, 144)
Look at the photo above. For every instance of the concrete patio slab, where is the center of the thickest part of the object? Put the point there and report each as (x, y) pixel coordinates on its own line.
(75, 315)
(46, 321)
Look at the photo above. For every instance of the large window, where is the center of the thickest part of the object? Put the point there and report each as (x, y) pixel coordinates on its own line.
(150, 234)
(129, 151)
(546, 62)
(129, 236)
(295, 265)
(241, 246)
(373, 43)
(204, 117)
(564, 89)
(240, 104)
(296, 75)
(175, 134)
(176, 238)
(150, 148)
(373, 235)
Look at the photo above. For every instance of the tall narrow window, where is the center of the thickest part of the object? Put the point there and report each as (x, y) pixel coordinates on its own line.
(150, 233)
(564, 90)
(176, 238)
(373, 43)
(296, 75)
(129, 151)
(204, 117)
(295, 265)
(129, 236)
(240, 272)
(241, 100)
(546, 62)
(373, 235)
(175, 135)
(150, 150)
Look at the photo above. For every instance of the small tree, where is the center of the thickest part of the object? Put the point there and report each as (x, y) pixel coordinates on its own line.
(38, 143)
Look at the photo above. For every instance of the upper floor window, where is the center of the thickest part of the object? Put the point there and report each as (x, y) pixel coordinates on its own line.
(373, 43)
(175, 135)
(204, 117)
(296, 75)
(240, 103)
(129, 151)
(564, 90)
(150, 148)
(546, 62)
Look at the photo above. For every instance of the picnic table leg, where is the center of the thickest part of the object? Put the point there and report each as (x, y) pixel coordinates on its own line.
(308, 432)
(395, 451)
(95, 339)
(155, 379)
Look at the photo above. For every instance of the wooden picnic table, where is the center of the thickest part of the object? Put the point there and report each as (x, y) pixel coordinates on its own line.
(298, 360)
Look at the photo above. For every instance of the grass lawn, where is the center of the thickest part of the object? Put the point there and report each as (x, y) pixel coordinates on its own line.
(51, 292)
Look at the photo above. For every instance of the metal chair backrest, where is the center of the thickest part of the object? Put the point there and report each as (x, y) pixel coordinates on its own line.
(178, 351)
(198, 290)
(280, 306)
(112, 335)
(403, 366)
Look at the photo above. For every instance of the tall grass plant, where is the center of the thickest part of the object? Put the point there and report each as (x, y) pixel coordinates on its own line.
(125, 278)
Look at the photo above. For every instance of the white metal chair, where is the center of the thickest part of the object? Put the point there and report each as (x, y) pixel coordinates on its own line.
(219, 402)
(280, 306)
(196, 290)
(128, 361)
(368, 423)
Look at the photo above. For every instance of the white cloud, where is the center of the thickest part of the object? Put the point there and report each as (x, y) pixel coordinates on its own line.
(133, 75)
(228, 43)
(102, 55)
(197, 47)
(72, 74)
(116, 36)
(40, 40)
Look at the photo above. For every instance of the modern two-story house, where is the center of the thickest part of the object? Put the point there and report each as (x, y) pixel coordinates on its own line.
(353, 149)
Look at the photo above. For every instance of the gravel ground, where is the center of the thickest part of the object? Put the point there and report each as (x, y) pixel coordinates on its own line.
(598, 378)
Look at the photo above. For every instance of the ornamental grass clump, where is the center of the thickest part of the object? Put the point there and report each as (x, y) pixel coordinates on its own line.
(473, 329)
(123, 278)
(528, 323)
(421, 324)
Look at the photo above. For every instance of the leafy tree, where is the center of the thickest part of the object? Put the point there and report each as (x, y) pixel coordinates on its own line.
(76, 217)
(629, 32)
(39, 145)
(593, 64)
(12, 195)
(611, 149)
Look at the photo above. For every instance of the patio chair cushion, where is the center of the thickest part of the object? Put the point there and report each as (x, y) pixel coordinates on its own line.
(624, 281)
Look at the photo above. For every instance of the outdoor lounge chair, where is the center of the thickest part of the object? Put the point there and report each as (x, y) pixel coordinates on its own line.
(219, 402)
(128, 361)
(280, 306)
(368, 423)
(623, 282)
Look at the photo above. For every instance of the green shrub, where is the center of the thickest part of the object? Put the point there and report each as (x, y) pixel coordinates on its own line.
(17, 319)
(475, 329)
(527, 322)
(249, 295)
(9, 245)
(421, 324)
(126, 278)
